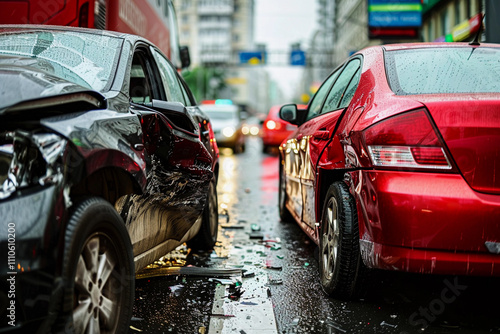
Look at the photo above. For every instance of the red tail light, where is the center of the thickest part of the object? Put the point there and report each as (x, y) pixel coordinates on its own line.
(406, 140)
(272, 125)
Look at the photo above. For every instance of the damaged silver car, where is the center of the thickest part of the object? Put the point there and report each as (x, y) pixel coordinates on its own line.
(106, 164)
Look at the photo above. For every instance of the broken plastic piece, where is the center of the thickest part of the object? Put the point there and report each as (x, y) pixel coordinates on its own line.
(247, 274)
(256, 235)
(273, 266)
(232, 227)
(188, 271)
(248, 303)
(383, 323)
(135, 329)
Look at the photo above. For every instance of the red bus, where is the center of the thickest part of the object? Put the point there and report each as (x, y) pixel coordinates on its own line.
(153, 19)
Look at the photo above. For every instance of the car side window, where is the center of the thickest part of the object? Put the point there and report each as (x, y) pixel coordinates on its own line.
(187, 95)
(169, 79)
(336, 94)
(140, 82)
(350, 90)
(319, 97)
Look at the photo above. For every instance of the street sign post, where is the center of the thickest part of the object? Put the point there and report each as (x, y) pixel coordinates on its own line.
(298, 58)
(252, 57)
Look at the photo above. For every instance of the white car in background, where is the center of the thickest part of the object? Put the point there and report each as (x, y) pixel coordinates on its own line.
(226, 122)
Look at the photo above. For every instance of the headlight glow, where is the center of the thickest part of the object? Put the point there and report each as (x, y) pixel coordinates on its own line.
(228, 132)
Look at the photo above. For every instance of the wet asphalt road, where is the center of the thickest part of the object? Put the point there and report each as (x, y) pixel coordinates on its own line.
(276, 285)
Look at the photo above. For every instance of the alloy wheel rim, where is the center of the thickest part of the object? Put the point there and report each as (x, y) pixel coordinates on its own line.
(331, 238)
(97, 282)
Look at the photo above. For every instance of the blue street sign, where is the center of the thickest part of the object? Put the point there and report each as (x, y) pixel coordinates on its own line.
(298, 58)
(252, 57)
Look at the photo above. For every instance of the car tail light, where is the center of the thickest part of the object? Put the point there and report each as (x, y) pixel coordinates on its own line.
(272, 125)
(406, 140)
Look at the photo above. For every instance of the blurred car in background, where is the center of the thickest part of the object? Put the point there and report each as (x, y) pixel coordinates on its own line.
(106, 164)
(227, 123)
(251, 126)
(275, 130)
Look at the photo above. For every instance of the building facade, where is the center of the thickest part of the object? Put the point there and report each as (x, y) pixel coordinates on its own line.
(450, 20)
(215, 31)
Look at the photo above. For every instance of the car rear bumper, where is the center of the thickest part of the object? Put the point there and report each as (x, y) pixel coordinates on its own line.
(426, 222)
(429, 261)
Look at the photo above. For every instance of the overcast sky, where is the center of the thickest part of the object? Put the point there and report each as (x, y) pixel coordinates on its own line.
(278, 24)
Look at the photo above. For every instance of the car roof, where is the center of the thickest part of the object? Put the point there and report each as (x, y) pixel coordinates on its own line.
(404, 46)
(6, 28)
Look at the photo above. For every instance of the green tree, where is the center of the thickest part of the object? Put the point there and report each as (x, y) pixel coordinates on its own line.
(206, 82)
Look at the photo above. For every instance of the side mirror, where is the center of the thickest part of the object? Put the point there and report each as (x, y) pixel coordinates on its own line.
(288, 113)
(185, 57)
(178, 116)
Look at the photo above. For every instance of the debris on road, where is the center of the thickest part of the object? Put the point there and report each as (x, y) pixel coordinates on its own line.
(188, 271)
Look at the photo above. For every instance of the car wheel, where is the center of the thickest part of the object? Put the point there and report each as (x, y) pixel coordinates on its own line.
(339, 256)
(265, 148)
(207, 235)
(284, 213)
(98, 270)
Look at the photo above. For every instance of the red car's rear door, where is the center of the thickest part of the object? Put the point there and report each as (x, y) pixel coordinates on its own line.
(296, 152)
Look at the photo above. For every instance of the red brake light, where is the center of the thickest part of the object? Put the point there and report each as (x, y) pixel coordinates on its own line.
(406, 140)
(272, 125)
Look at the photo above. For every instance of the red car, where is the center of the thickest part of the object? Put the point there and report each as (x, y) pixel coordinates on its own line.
(395, 164)
(275, 130)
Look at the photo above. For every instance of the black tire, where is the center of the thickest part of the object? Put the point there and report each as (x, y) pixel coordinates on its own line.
(207, 235)
(98, 270)
(340, 264)
(285, 215)
(265, 148)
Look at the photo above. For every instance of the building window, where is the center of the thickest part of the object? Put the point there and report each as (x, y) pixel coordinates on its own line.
(444, 22)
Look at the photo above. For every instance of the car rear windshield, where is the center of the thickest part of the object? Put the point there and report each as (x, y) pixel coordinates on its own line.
(444, 70)
(83, 58)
